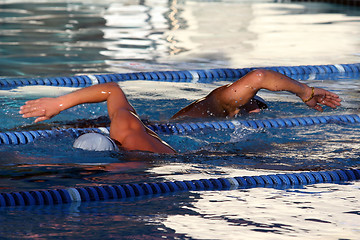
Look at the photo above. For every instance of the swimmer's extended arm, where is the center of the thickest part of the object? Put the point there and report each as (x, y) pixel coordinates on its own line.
(228, 100)
(245, 88)
(46, 108)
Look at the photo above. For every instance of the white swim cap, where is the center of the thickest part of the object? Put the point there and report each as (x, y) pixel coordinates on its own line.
(95, 142)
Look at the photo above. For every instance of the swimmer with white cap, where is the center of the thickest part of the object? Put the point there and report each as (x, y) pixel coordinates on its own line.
(128, 132)
(95, 142)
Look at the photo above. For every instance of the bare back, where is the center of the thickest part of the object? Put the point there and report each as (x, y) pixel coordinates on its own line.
(132, 134)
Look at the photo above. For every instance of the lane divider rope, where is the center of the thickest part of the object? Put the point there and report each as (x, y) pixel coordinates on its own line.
(25, 137)
(207, 75)
(108, 192)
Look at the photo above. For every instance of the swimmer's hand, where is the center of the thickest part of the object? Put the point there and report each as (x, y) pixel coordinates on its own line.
(316, 96)
(42, 108)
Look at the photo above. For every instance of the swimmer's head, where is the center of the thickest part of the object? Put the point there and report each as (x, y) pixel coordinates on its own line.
(95, 142)
(260, 102)
(256, 104)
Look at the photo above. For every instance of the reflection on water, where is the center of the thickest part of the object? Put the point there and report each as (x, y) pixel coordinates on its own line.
(62, 38)
(260, 213)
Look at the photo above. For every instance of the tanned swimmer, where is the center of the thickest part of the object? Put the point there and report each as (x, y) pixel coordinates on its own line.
(129, 132)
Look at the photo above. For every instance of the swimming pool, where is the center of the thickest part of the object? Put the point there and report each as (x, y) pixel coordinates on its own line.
(311, 212)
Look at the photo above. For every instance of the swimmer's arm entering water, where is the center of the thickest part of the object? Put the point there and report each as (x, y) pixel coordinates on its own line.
(46, 108)
(229, 100)
(126, 127)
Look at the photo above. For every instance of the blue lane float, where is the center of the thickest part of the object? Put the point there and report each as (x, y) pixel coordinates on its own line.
(108, 192)
(25, 137)
(207, 75)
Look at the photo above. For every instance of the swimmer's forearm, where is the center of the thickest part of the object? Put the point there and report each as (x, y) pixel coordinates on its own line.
(241, 91)
(109, 92)
(309, 95)
(92, 94)
(275, 81)
(46, 108)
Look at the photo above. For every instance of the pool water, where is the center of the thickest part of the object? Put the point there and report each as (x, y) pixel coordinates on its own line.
(63, 38)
